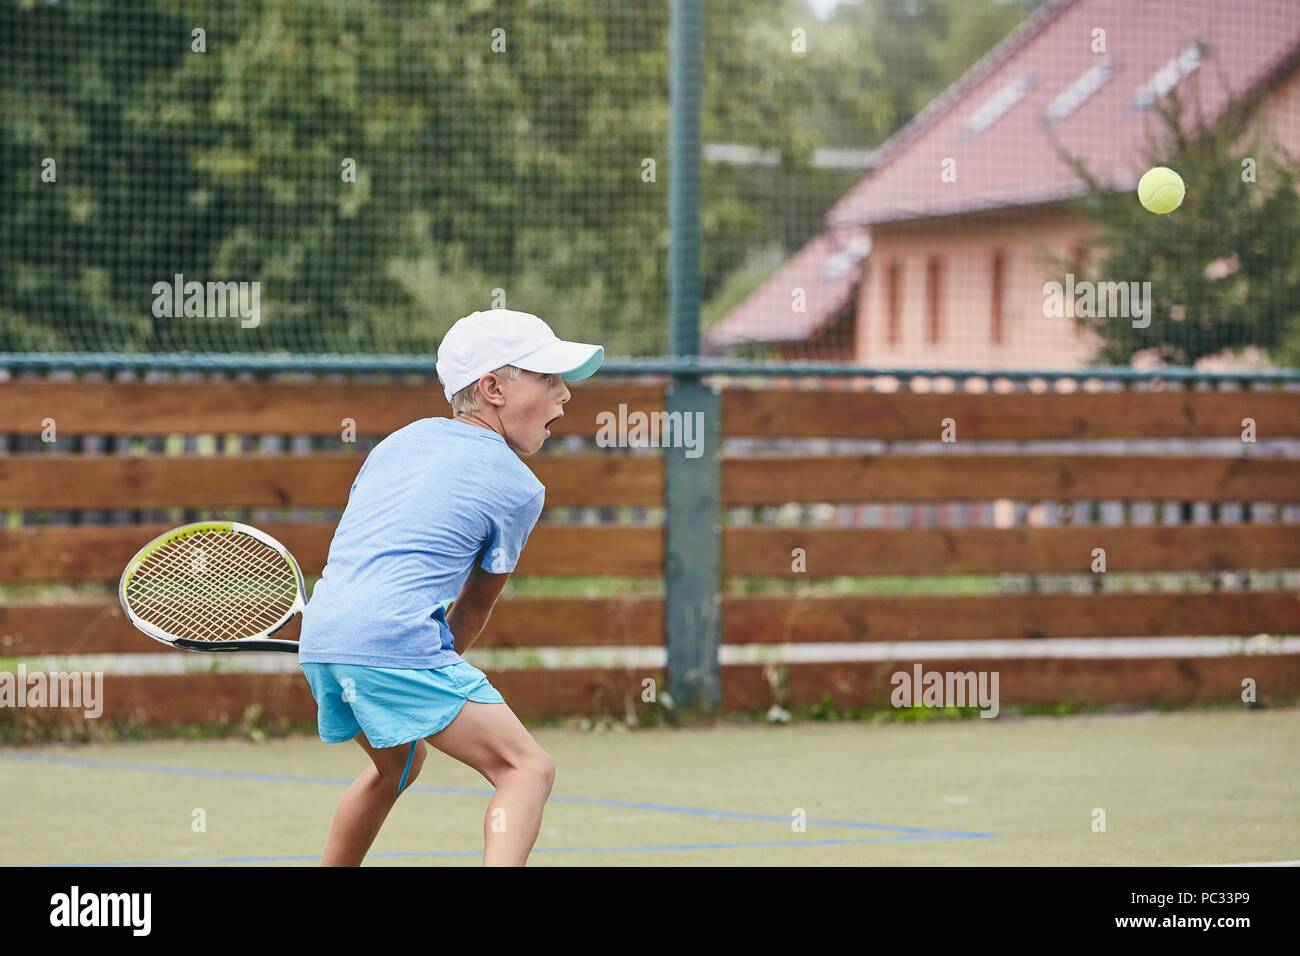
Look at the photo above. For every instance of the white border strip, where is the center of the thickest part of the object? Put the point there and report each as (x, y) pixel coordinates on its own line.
(1269, 863)
(554, 658)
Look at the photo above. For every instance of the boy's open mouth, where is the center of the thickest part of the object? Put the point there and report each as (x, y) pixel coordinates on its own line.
(553, 421)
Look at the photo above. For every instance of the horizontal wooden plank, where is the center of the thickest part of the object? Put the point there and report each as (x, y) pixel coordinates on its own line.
(1048, 680)
(319, 408)
(575, 622)
(102, 628)
(778, 620)
(831, 551)
(207, 698)
(557, 550)
(259, 408)
(1020, 416)
(89, 628)
(961, 477)
(90, 553)
(284, 481)
(615, 691)
(229, 698)
(99, 553)
(98, 481)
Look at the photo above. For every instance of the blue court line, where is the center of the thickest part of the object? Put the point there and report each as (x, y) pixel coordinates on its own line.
(481, 792)
(912, 834)
(443, 854)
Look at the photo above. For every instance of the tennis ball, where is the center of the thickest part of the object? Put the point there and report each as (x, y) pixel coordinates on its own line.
(1161, 190)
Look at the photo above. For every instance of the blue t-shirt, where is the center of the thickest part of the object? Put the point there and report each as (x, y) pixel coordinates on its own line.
(430, 500)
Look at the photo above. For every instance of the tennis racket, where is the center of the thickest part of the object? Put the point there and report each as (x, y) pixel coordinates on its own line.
(214, 586)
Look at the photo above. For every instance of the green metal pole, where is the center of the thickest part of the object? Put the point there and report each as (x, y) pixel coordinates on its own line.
(684, 82)
(692, 465)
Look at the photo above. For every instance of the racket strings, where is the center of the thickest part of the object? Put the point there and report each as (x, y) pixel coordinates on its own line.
(195, 593)
(214, 586)
(207, 596)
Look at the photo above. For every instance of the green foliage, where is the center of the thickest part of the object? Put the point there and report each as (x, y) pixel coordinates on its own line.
(923, 46)
(825, 709)
(19, 728)
(477, 169)
(1224, 267)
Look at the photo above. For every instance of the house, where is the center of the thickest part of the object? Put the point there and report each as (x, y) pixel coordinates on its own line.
(965, 213)
(814, 294)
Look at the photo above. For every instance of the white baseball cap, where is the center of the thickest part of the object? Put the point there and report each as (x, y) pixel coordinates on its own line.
(482, 342)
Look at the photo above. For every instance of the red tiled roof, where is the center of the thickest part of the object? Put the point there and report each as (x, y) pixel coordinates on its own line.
(1244, 45)
(827, 269)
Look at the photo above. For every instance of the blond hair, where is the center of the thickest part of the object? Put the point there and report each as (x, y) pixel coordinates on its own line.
(466, 400)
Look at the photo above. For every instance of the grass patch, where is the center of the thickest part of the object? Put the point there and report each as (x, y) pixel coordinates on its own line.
(21, 729)
(585, 586)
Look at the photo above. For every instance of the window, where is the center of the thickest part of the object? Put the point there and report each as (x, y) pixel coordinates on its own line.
(933, 298)
(1078, 92)
(1169, 76)
(997, 106)
(1079, 256)
(894, 301)
(997, 296)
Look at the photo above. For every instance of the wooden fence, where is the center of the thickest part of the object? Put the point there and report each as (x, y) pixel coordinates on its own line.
(39, 476)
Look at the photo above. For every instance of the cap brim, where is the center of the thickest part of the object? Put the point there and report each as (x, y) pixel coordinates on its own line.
(574, 361)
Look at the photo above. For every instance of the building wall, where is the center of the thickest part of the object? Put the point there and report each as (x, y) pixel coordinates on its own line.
(963, 249)
(957, 258)
(1279, 113)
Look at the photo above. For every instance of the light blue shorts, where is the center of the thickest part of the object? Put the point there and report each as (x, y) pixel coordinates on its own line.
(393, 705)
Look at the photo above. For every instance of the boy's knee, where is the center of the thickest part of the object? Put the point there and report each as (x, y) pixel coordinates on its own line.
(544, 767)
(536, 764)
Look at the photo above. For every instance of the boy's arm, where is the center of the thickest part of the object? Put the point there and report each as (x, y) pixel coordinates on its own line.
(470, 611)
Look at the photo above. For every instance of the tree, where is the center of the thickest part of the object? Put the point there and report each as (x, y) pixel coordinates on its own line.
(921, 47)
(498, 144)
(516, 167)
(1224, 267)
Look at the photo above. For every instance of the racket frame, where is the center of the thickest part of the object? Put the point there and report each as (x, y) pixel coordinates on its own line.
(257, 642)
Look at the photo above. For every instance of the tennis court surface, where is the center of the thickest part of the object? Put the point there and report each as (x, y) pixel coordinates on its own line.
(1191, 787)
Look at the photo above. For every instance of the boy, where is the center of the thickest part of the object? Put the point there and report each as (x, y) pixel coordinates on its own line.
(441, 509)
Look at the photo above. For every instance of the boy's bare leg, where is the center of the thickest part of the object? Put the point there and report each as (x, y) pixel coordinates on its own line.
(490, 738)
(365, 804)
